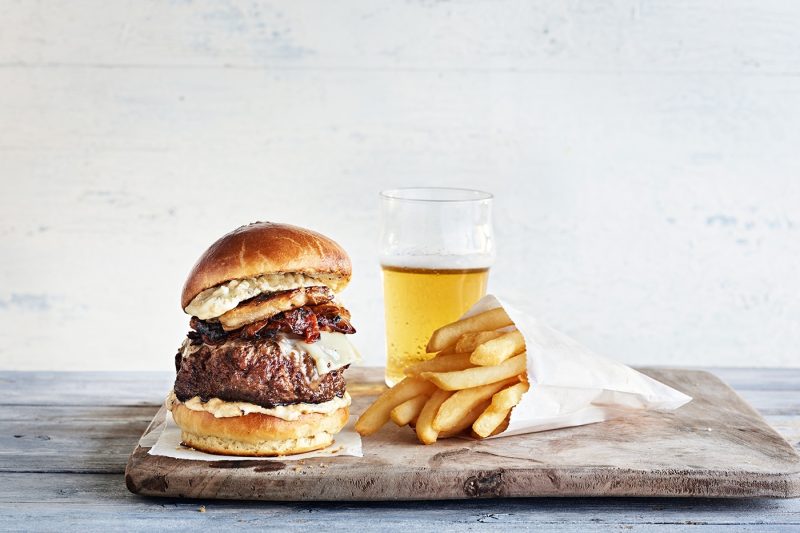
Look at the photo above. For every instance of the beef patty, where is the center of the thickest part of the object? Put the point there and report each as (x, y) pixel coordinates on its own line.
(255, 371)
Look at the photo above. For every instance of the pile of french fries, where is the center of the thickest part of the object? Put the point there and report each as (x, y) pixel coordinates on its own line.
(474, 381)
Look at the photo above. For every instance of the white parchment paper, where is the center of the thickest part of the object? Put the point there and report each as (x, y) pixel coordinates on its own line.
(570, 384)
(165, 440)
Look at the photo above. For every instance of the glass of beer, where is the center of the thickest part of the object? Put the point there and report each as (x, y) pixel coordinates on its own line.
(436, 250)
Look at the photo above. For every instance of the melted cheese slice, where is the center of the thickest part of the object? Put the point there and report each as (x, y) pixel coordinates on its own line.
(333, 350)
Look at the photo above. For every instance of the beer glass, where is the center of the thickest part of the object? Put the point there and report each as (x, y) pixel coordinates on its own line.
(436, 250)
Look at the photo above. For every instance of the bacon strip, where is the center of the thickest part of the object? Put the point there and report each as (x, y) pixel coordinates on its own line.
(306, 321)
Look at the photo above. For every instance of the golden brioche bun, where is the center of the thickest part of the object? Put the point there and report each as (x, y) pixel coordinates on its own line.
(267, 248)
(257, 434)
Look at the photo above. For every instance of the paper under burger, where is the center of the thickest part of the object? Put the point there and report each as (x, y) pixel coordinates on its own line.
(500, 372)
(261, 371)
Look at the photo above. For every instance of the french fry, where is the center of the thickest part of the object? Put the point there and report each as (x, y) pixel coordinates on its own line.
(379, 412)
(466, 422)
(441, 363)
(449, 350)
(488, 421)
(499, 429)
(449, 334)
(457, 406)
(498, 411)
(502, 427)
(469, 341)
(478, 376)
(424, 428)
(407, 411)
(475, 378)
(495, 351)
(510, 397)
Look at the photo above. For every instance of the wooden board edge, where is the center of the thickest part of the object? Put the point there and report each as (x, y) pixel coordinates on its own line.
(146, 476)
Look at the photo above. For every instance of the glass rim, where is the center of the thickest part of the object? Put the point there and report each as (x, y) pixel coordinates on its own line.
(405, 194)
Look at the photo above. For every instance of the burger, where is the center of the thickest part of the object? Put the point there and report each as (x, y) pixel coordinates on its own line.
(261, 371)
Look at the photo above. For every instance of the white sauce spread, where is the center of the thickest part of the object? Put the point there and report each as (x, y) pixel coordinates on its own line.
(222, 409)
(216, 301)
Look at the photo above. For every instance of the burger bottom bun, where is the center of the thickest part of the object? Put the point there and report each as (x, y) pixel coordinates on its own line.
(257, 434)
(266, 448)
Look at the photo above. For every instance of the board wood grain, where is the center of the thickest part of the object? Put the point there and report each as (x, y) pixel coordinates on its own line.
(716, 446)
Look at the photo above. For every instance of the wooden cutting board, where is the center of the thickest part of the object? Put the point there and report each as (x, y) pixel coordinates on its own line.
(716, 446)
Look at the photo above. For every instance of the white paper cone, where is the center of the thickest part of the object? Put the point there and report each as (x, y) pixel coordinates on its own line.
(570, 384)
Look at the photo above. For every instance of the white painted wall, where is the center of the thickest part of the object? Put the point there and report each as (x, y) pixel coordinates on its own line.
(644, 157)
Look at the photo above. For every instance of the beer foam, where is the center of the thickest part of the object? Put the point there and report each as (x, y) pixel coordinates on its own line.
(439, 262)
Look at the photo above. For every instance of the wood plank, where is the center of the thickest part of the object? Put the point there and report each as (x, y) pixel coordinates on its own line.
(65, 439)
(96, 501)
(108, 388)
(83, 433)
(715, 35)
(51, 500)
(149, 388)
(715, 446)
(781, 402)
(84, 388)
(440, 119)
(787, 426)
(70, 438)
(741, 379)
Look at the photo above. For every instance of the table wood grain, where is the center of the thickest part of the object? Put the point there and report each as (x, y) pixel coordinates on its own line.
(65, 439)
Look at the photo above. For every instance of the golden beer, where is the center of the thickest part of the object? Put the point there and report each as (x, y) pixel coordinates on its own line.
(417, 302)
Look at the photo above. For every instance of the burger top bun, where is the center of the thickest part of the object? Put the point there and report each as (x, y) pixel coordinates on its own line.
(268, 248)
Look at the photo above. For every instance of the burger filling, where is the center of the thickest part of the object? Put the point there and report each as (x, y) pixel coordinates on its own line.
(264, 306)
(259, 371)
(293, 354)
(216, 301)
(306, 322)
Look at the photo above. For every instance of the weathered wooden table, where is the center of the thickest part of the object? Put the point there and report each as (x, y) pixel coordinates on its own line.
(65, 439)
